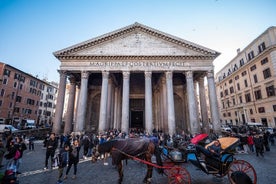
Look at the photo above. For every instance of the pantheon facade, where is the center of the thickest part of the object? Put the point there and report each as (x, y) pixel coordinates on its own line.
(136, 77)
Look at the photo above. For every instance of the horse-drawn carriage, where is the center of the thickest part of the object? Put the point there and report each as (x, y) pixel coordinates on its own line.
(225, 164)
(170, 160)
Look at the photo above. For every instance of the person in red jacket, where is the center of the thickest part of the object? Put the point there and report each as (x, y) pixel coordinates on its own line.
(250, 143)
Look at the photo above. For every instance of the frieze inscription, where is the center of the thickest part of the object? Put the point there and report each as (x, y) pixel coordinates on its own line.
(139, 64)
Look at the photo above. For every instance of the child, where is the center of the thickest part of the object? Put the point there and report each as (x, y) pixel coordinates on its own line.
(62, 161)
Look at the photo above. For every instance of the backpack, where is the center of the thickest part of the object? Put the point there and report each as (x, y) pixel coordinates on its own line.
(17, 155)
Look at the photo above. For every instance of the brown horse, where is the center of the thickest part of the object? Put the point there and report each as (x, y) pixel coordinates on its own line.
(132, 148)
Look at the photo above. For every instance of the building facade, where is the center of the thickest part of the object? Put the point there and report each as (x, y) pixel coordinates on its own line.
(246, 85)
(135, 77)
(20, 96)
(47, 104)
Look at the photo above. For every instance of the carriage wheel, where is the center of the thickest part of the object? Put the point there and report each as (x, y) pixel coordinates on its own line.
(243, 166)
(179, 175)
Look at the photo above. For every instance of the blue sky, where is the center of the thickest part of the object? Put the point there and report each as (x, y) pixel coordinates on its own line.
(31, 30)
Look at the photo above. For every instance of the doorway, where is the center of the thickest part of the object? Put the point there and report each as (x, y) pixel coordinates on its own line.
(137, 119)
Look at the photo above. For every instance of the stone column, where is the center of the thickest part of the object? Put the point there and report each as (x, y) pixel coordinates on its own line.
(148, 102)
(103, 106)
(197, 103)
(203, 106)
(213, 102)
(82, 102)
(60, 102)
(164, 107)
(171, 115)
(68, 127)
(125, 103)
(192, 103)
(110, 104)
(115, 123)
(76, 104)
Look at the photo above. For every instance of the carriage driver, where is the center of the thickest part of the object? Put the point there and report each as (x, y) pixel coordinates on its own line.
(212, 150)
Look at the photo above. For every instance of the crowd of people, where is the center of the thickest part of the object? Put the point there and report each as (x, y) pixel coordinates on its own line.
(63, 151)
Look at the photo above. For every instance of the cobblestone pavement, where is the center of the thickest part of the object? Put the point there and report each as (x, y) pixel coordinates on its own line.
(134, 172)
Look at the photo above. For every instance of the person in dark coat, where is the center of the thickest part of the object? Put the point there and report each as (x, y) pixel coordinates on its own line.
(259, 144)
(266, 141)
(51, 146)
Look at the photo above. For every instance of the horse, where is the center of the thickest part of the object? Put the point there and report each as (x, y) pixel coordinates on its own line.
(131, 148)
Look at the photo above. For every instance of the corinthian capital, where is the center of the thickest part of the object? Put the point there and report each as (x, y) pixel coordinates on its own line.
(126, 74)
(84, 74)
(62, 73)
(210, 74)
(105, 74)
(147, 74)
(189, 74)
(169, 75)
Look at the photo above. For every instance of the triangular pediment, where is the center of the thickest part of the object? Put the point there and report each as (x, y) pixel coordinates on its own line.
(136, 40)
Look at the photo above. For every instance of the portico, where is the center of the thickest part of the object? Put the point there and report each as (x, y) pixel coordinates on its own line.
(136, 77)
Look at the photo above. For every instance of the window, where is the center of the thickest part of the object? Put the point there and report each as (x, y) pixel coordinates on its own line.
(226, 92)
(274, 108)
(261, 47)
(22, 79)
(261, 110)
(48, 113)
(252, 68)
(15, 84)
(13, 94)
(240, 97)
(50, 104)
(16, 109)
(247, 97)
(2, 92)
(267, 73)
(258, 94)
(231, 90)
(270, 91)
(7, 72)
(264, 61)
(238, 86)
(5, 81)
(30, 101)
(243, 73)
(228, 103)
(255, 78)
(16, 76)
(241, 62)
(18, 99)
(250, 55)
(245, 83)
